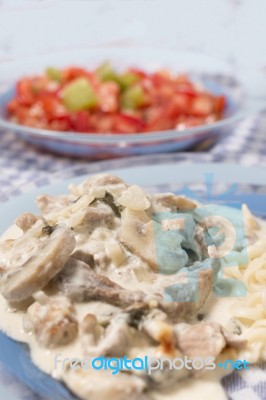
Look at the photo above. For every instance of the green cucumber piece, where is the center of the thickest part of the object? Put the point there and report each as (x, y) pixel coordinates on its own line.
(106, 72)
(127, 79)
(54, 73)
(79, 95)
(133, 97)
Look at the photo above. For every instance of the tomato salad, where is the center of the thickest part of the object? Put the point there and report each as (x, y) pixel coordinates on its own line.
(106, 101)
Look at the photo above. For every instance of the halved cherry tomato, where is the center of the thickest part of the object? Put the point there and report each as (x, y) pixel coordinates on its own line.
(125, 123)
(156, 120)
(187, 89)
(22, 112)
(74, 72)
(202, 106)
(12, 106)
(178, 105)
(219, 104)
(81, 121)
(52, 106)
(25, 93)
(139, 72)
(160, 78)
(108, 95)
(102, 122)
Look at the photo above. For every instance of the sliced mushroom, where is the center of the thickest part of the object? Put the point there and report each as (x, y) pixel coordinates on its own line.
(137, 234)
(233, 340)
(80, 282)
(5, 250)
(21, 282)
(161, 249)
(173, 202)
(54, 322)
(101, 180)
(84, 256)
(26, 221)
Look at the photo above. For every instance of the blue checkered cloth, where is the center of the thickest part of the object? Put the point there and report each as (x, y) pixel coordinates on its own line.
(24, 168)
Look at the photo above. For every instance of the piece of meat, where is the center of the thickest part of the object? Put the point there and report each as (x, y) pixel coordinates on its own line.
(90, 330)
(90, 333)
(80, 282)
(97, 216)
(53, 323)
(114, 342)
(179, 310)
(182, 300)
(92, 252)
(161, 332)
(181, 295)
(26, 221)
(90, 218)
(191, 289)
(203, 339)
(21, 282)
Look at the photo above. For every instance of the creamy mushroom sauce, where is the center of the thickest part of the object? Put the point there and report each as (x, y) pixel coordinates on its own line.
(122, 266)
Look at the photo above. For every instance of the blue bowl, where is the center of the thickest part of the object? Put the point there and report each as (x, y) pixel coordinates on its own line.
(213, 75)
